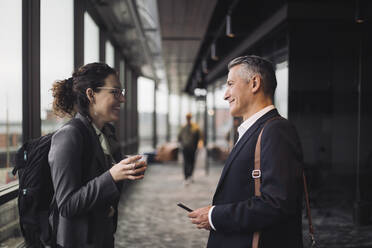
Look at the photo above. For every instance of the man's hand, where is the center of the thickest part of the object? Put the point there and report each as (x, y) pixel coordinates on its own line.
(199, 217)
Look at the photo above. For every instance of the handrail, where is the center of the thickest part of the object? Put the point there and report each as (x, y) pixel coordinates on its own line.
(8, 192)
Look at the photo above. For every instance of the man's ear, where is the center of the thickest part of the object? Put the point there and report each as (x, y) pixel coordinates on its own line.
(256, 83)
(90, 94)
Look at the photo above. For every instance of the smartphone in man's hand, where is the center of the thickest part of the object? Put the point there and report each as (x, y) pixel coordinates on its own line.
(184, 207)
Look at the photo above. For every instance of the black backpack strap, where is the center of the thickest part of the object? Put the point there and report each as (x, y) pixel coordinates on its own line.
(20, 158)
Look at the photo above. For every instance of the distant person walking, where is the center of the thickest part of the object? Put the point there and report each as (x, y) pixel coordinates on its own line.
(188, 138)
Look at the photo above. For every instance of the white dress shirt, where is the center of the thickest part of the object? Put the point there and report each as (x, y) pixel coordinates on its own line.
(106, 150)
(241, 130)
(103, 140)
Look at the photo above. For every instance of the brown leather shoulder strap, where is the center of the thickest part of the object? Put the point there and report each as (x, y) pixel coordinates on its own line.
(311, 228)
(256, 174)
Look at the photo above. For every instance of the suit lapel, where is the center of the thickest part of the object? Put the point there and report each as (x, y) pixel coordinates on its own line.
(241, 143)
(96, 145)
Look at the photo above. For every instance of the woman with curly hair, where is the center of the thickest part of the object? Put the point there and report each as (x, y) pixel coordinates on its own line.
(86, 164)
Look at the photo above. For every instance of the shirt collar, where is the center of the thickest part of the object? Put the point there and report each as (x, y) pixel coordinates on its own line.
(97, 130)
(251, 120)
(102, 139)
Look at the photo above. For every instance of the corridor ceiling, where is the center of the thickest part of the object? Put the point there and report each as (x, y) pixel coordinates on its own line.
(160, 39)
(171, 40)
(183, 24)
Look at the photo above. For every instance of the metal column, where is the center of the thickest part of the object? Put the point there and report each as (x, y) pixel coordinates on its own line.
(31, 124)
(79, 8)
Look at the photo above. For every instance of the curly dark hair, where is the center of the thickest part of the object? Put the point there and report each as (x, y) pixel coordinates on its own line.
(70, 94)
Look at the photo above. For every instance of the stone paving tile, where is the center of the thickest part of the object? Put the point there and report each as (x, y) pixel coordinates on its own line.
(149, 217)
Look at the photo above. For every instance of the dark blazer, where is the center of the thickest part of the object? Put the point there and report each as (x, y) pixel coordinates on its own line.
(84, 193)
(238, 213)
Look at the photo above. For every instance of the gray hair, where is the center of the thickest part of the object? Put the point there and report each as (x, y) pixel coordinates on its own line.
(252, 65)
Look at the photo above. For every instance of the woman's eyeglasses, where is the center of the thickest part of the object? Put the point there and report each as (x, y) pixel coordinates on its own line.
(115, 91)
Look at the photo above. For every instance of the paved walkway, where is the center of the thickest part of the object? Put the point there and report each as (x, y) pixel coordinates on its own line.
(149, 217)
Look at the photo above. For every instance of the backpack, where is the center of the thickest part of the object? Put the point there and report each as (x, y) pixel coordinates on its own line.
(36, 193)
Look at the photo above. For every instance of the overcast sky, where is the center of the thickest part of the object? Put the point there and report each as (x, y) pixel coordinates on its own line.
(11, 59)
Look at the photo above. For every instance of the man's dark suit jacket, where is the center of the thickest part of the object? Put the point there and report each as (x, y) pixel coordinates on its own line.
(238, 213)
(84, 193)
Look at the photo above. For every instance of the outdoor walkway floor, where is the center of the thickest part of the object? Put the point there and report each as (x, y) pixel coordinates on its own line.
(149, 217)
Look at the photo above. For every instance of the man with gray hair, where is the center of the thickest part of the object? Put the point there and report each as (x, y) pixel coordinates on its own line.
(258, 200)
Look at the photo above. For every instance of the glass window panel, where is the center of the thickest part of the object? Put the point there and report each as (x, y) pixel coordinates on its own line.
(174, 116)
(210, 113)
(223, 117)
(11, 86)
(193, 106)
(91, 40)
(185, 107)
(210, 96)
(161, 112)
(110, 54)
(10, 112)
(128, 89)
(281, 92)
(128, 104)
(145, 113)
(56, 55)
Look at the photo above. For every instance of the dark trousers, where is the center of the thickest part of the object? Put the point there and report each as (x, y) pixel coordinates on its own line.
(189, 161)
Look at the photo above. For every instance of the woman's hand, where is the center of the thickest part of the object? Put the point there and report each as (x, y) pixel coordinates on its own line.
(129, 168)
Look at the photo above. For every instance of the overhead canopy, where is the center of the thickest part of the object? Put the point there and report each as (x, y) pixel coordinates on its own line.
(186, 41)
(183, 25)
(133, 27)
